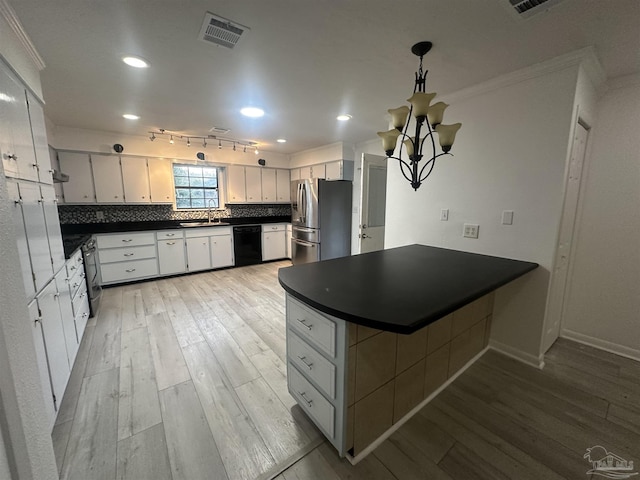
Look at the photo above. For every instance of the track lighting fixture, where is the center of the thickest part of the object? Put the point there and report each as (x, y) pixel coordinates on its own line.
(256, 151)
(222, 142)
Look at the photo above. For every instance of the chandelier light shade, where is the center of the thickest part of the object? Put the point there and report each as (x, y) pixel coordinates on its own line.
(415, 170)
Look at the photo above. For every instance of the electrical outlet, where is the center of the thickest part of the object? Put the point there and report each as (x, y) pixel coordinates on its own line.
(270, 211)
(99, 215)
(444, 215)
(507, 217)
(470, 230)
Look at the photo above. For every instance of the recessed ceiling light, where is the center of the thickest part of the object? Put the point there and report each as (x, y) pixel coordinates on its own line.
(281, 140)
(130, 116)
(137, 62)
(253, 112)
(343, 117)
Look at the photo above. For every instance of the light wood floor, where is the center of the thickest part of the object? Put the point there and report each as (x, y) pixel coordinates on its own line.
(184, 378)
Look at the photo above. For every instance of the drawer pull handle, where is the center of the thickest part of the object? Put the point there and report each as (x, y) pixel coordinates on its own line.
(171, 243)
(302, 359)
(129, 270)
(128, 254)
(302, 394)
(127, 240)
(170, 234)
(304, 322)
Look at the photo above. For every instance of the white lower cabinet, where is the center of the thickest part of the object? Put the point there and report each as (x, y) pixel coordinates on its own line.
(274, 241)
(41, 360)
(124, 257)
(54, 339)
(289, 238)
(171, 257)
(222, 251)
(66, 313)
(198, 254)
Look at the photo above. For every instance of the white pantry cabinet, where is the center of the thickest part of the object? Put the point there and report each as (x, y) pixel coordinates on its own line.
(135, 179)
(41, 362)
(36, 230)
(283, 185)
(52, 222)
(107, 178)
(79, 188)
(39, 134)
(161, 180)
(21, 239)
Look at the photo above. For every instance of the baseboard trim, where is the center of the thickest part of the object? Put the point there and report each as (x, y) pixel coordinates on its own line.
(610, 347)
(354, 460)
(524, 357)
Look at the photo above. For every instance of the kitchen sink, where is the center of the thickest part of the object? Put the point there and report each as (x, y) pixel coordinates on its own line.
(202, 224)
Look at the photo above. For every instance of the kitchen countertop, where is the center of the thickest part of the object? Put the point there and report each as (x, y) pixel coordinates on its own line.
(401, 289)
(114, 227)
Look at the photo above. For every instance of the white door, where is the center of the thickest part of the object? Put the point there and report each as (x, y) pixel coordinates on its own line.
(222, 251)
(66, 313)
(21, 239)
(39, 134)
(107, 177)
(79, 188)
(41, 362)
(373, 201)
(269, 185)
(52, 221)
(135, 178)
(36, 229)
(560, 270)
(198, 254)
(333, 170)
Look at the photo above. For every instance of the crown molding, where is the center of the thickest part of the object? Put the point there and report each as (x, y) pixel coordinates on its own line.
(12, 19)
(585, 57)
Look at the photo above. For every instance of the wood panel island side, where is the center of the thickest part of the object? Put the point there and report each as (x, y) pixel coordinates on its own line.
(371, 337)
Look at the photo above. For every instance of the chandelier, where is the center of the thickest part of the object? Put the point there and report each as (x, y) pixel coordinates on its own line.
(422, 110)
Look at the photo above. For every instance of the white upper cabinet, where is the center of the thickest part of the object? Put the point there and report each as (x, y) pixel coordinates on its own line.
(254, 184)
(39, 134)
(236, 184)
(135, 178)
(79, 188)
(295, 174)
(36, 231)
(107, 178)
(283, 185)
(305, 172)
(50, 209)
(269, 190)
(161, 180)
(318, 171)
(16, 144)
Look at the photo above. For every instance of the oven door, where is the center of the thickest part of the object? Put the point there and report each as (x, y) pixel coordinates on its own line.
(304, 252)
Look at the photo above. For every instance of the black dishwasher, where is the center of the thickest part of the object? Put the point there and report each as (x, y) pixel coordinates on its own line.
(247, 245)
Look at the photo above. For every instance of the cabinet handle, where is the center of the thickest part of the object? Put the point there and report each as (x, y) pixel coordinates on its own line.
(56, 295)
(171, 243)
(127, 240)
(128, 254)
(83, 294)
(35, 165)
(18, 202)
(129, 270)
(12, 157)
(304, 322)
(85, 315)
(170, 234)
(72, 267)
(302, 394)
(37, 320)
(302, 359)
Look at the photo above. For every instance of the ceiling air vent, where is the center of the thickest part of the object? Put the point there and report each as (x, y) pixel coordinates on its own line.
(528, 8)
(219, 30)
(219, 130)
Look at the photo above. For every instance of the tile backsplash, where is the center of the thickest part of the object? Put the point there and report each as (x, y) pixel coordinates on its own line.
(74, 214)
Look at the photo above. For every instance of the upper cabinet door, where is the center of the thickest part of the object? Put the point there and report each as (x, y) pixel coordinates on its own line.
(254, 184)
(40, 144)
(107, 177)
(318, 171)
(135, 178)
(295, 174)
(21, 238)
(50, 207)
(161, 180)
(269, 194)
(16, 144)
(36, 230)
(79, 188)
(283, 185)
(236, 184)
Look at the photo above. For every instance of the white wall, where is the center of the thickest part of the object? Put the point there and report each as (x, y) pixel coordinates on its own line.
(66, 138)
(326, 153)
(603, 301)
(509, 155)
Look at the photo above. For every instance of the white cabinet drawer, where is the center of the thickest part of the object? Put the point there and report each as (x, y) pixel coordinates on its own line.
(274, 228)
(127, 253)
(125, 240)
(194, 232)
(81, 318)
(314, 365)
(170, 234)
(77, 281)
(311, 401)
(312, 325)
(74, 263)
(125, 271)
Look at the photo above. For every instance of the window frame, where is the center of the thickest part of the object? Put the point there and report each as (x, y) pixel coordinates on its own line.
(219, 188)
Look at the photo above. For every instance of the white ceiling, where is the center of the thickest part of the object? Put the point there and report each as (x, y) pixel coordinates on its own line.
(304, 61)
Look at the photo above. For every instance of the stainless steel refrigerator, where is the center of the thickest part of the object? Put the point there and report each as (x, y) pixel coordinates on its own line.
(321, 220)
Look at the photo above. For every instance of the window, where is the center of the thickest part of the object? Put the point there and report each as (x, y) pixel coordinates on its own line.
(196, 187)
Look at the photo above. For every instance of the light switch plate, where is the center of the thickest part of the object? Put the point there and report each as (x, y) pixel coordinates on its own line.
(507, 217)
(444, 214)
(99, 215)
(470, 230)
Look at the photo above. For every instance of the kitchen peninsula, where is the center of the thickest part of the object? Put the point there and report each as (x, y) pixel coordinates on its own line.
(370, 337)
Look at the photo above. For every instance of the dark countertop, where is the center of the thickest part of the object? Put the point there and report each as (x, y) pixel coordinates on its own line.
(114, 227)
(71, 243)
(401, 289)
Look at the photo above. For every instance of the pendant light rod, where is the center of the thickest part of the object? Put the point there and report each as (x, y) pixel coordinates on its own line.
(222, 141)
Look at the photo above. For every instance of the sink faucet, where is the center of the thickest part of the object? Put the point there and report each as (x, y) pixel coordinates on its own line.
(210, 210)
